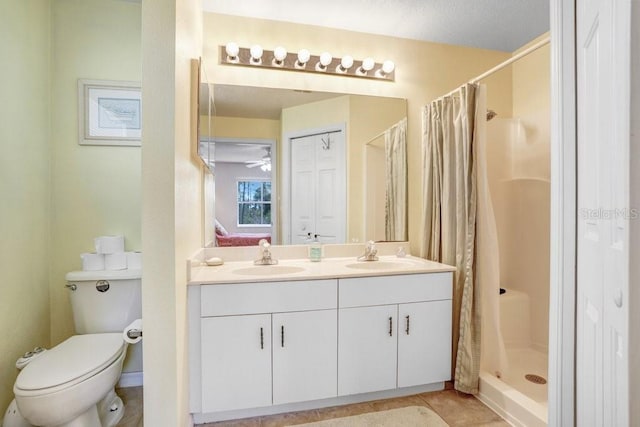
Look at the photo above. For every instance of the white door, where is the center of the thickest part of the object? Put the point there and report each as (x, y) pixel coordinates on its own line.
(367, 349)
(603, 194)
(236, 362)
(318, 188)
(424, 333)
(305, 356)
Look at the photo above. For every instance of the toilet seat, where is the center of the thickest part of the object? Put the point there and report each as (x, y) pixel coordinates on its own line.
(69, 363)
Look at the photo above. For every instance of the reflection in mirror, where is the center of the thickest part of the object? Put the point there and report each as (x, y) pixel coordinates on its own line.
(319, 176)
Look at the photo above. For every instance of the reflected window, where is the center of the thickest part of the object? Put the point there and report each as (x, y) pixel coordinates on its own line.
(254, 203)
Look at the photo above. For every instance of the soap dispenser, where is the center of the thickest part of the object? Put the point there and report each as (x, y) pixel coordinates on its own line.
(315, 250)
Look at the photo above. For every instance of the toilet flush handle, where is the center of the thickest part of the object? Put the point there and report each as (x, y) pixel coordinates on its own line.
(71, 286)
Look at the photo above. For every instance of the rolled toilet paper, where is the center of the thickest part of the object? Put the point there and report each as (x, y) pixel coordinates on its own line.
(117, 261)
(92, 261)
(134, 260)
(133, 333)
(109, 244)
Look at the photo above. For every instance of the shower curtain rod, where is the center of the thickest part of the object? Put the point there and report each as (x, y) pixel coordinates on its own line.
(511, 60)
(382, 133)
(545, 41)
(377, 136)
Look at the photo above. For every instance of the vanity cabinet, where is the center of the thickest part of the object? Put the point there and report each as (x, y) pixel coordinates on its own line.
(259, 348)
(267, 343)
(383, 346)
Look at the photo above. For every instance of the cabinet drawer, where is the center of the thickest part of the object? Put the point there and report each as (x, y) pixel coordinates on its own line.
(365, 291)
(272, 297)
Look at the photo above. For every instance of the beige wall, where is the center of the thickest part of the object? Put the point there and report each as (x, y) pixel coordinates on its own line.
(238, 127)
(24, 184)
(171, 203)
(95, 189)
(424, 71)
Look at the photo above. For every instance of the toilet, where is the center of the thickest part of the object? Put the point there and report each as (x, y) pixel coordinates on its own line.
(72, 384)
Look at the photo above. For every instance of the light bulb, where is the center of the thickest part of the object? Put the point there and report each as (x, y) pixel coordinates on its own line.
(325, 59)
(303, 58)
(232, 49)
(345, 63)
(367, 65)
(279, 54)
(256, 54)
(387, 68)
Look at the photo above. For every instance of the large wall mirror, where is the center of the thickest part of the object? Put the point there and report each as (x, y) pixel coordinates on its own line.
(292, 165)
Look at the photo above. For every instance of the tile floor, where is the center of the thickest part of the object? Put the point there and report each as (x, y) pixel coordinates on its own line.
(457, 409)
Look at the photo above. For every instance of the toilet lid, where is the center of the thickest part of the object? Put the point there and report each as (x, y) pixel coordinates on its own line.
(74, 358)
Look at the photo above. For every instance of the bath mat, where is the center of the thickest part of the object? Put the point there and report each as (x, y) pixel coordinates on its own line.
(411, 416)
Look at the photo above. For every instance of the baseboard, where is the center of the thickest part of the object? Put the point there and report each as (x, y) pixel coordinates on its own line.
(130, 379)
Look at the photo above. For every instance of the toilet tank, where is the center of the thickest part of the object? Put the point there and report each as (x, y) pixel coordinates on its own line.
(104, 301)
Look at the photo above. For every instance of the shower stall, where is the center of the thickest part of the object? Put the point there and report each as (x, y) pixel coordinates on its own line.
(518, 176)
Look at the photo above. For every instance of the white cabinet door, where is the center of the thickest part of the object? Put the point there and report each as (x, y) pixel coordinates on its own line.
(367, 349)
(424, 343)
(236, 362)
(305, 356)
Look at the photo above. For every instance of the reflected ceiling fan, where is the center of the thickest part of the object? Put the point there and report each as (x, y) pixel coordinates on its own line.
(264, 163)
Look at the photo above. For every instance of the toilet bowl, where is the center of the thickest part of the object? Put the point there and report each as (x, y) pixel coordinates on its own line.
(72, 384)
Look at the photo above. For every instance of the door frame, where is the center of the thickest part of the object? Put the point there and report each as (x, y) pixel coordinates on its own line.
(285, 173)
(563, 287)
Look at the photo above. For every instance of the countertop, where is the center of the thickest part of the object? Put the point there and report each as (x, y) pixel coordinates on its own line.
(304, 269)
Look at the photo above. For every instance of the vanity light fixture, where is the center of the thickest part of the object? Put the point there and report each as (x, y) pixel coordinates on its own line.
(303, 58)
(325, 63)
(324, 60)
(256, 54)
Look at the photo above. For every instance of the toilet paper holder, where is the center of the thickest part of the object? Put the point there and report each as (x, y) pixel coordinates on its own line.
(134, 333)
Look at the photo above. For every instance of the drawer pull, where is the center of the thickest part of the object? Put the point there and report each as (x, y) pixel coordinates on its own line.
(261, 339)
(390, 326)
(282, 335)
(407, 330)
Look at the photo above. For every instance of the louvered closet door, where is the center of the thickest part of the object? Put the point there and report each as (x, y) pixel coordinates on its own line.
(603, 194)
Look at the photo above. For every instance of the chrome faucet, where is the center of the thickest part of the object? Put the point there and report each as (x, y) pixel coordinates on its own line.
(265, 253)
(370, 252)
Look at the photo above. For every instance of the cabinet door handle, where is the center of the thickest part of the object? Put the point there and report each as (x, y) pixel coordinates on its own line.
(261, 339)
(282, 335)
(390, 326)
(407, 330)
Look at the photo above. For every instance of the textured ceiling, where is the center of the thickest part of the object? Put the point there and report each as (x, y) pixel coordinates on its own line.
(502, 25)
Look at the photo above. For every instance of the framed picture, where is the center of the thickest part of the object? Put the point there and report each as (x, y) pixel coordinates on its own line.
(110, 112)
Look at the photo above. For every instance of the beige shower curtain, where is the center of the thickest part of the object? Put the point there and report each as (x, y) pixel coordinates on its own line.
(395, 147)
(449, 217)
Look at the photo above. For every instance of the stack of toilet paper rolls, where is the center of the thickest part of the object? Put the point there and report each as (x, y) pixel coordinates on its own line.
(110, 255)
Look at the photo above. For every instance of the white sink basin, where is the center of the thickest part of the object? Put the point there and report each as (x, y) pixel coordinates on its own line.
(268, 270)
(378, 265)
